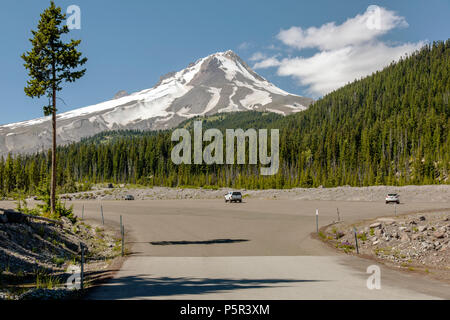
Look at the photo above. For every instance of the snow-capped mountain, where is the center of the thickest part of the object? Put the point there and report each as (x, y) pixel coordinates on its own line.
(221, 82)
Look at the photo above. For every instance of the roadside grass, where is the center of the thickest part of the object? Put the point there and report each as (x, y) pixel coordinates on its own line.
(136, 186)
(212, 187)
(345, 246)
(188, 187)
(383, 251)
(322, 235)
(45, 280)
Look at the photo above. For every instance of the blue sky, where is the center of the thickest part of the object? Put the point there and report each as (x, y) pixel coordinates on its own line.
(130, 44)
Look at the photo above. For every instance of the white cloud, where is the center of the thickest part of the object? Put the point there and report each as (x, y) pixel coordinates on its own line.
(267, 63)
(375, 22)
(257, 56)
(346, 52)
(329, 70)
(244, 46)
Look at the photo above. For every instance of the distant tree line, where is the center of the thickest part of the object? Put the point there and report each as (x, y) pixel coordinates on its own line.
(390, 128)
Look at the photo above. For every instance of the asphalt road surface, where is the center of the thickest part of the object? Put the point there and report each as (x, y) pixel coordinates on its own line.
(259, 249)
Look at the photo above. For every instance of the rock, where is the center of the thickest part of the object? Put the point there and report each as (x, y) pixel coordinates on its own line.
(375, 225)
(375, 242)
(388, 221)
(45, 294)
(422, 218)
(379, 232)
(14, 217)
(4, 235)
(405, 238)
(66, 221)
(412, 222)
(3, 218)
(425, 245)
(439, 234)
(422, 228)
(402, 228)
(339, 234)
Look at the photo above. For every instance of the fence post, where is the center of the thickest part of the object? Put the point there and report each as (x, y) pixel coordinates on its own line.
(82, 213)
(339, 217)
(103, 219)
(317, 220)
(356, 240)
(82, 266)
(123, 239)
(121, 232)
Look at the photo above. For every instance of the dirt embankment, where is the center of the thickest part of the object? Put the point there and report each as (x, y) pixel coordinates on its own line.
(413, 242)
(430, 193)
(37, 257)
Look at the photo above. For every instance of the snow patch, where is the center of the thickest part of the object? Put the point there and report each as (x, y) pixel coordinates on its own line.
(276, 111)
(232, 106)
(214, 99)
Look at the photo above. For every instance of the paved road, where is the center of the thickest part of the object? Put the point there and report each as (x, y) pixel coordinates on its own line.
(261, 249)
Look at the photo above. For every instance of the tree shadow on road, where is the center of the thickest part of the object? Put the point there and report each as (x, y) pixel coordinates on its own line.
(184, 242)
(142, 286)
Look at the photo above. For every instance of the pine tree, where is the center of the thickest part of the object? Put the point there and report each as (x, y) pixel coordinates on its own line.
(50, 63)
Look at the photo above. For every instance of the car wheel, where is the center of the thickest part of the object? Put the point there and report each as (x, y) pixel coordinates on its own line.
(398, 202)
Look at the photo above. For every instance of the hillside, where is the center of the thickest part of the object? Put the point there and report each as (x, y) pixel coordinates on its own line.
(244, 120)
(389, 128)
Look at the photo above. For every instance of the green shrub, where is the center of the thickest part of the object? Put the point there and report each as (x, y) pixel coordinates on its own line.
(362, 236)
(346, 246)
(58, 261)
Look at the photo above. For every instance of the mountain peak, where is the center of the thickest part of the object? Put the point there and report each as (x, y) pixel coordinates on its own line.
(229, 53)
(120, 94)
(220, 82)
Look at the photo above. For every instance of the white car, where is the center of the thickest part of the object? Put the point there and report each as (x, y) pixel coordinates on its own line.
(233, 196)
(393, 197)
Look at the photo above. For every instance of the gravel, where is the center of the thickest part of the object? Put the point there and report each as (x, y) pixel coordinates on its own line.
(414, 241)
(434, 193)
